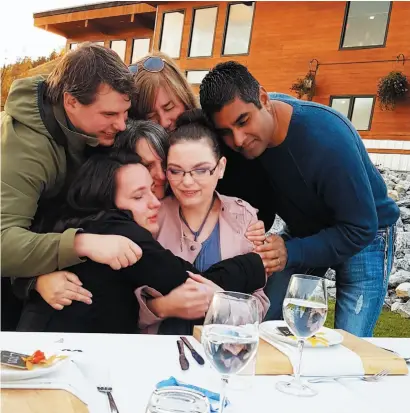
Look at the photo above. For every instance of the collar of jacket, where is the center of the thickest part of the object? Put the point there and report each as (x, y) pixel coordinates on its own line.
(234, 219)
(76, 140)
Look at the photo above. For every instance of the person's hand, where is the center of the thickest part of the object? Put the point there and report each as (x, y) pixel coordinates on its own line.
(188, 301)
(273, 253)
(114, 250)
(256, 233)
(60, 288)
(211, 287)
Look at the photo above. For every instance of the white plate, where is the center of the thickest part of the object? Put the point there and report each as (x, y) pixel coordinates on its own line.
(269, 328)
(15, 374)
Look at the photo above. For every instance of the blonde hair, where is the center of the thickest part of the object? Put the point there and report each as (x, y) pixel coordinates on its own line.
(147, 83)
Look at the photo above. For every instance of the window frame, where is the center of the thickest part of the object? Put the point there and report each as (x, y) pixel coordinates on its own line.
(139, 38)
(343, 31)
(351, 107)
(120, 40)
(162, 30)
(228, 10)
(195, 70)
(192, 31)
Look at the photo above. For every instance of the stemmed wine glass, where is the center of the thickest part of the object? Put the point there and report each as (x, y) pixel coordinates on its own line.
(304, 311)
(230, 335)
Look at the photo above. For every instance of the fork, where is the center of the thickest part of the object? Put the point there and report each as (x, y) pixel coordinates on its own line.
(107, 391)
(375, 377)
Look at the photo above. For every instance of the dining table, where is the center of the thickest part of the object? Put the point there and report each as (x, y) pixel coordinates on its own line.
(132, 365)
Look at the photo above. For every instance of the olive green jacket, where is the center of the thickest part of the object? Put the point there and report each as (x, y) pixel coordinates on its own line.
(33, 166)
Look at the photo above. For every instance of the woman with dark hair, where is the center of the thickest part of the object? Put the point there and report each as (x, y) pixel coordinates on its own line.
(150, 141)
(113, 195)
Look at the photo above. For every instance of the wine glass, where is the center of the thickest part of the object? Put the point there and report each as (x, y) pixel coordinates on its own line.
(304, 311)
(230, 335)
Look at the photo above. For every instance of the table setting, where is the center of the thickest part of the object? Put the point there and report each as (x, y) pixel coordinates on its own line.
(114, 373)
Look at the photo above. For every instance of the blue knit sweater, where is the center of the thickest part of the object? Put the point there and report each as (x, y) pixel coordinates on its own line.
(329, 193)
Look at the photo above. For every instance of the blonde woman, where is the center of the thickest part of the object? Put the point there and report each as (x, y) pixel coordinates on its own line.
(163, 92)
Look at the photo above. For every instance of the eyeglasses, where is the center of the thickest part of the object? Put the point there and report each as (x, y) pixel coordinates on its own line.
(152, 64)
(198, 174)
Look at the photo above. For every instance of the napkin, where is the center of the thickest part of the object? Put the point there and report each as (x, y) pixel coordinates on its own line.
(213, 398)
(334, 360)
(70, 378)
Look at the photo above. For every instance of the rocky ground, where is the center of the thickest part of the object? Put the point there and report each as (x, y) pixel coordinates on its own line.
(397, 297)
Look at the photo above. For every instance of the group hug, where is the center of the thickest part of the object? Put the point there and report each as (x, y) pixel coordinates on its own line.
(128, 201)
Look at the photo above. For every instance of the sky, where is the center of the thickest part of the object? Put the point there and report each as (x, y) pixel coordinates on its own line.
(19, 37)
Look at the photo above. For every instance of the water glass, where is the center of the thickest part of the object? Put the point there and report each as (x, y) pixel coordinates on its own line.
(174, 399)
(304, 311)
(230, 335)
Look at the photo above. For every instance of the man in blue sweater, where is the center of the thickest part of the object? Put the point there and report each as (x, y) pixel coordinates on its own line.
(321, 182)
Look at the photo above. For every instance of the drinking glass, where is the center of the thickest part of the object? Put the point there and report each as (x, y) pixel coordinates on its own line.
(230, 335)
(304, 311)
(177, 400)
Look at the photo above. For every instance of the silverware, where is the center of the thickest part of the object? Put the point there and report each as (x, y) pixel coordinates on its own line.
(406, 359)
(194, 353)
(183, 361)
(375, 377)
(107, 391)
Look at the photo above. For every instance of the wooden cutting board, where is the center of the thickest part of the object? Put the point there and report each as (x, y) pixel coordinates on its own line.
(40, 401)
(270, 361)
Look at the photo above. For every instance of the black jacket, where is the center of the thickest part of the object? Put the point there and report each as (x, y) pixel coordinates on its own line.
(115, 307)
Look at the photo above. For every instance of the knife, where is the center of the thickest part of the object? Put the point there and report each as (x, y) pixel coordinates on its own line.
(183, 361)
(194, 353)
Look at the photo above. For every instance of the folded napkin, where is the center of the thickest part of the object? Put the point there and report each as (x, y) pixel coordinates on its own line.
(334, 360)
(212, 397)
(69, 378)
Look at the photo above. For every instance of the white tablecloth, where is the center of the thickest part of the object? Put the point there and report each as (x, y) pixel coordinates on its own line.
(135, 363)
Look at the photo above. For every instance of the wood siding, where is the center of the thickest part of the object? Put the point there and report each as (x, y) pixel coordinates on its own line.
(287, 35)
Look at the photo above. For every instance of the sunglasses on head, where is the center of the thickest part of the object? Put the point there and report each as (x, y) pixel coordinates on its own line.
(152, 64)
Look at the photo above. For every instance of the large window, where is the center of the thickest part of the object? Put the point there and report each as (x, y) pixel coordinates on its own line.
(238, 28)
(119, 47)
(365, 24)
(140, 47)
(195, 77)
(359, 109)
(100, 43)
(203, 32)
(171, 35)
(73, 46)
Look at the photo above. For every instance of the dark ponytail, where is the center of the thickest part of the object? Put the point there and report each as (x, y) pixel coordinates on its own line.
(192, 126)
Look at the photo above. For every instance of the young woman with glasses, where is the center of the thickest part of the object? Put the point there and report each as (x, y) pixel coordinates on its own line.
(196, 223)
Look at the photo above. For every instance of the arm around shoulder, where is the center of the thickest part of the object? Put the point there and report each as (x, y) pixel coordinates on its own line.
(29, 166)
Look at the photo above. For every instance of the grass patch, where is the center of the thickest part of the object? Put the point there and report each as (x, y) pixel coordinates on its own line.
(388, 325)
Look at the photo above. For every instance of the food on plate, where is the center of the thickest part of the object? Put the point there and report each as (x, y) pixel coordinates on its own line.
(316, 339)
(38, 359)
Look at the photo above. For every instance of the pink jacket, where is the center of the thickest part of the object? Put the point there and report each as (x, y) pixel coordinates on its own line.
(235, 217)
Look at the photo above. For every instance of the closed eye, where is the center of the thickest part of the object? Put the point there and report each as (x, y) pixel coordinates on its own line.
(243, 122)
(200, 171)
(175, 171)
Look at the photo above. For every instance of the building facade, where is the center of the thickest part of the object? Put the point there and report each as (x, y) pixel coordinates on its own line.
(343, 48)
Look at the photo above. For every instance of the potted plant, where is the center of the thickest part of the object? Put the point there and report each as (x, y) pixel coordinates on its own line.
(391, 89)
(304, 86)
